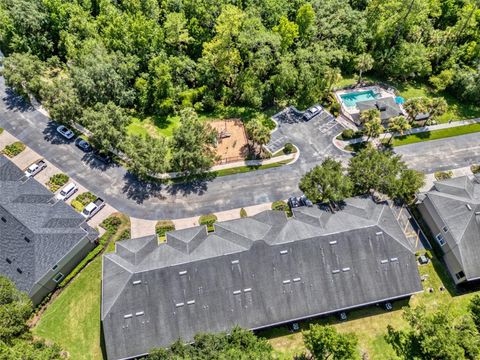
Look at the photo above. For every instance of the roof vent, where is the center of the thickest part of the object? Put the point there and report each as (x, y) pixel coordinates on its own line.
(183, 272)
(335, 271)
(190, 302)
(137, 282)
(296, 279)
(346, 269)
(333, 242)
(247, 290)
(384, 261)
(468, 207)
(235, 262)
(379, 233)
(140, 313)
(179, 304)
(394, 259)
(284, 252)
(237, 292)
(128, 316)
(477, 212)
(286, 282)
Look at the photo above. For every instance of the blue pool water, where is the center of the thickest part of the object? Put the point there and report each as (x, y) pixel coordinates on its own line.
(351, 99)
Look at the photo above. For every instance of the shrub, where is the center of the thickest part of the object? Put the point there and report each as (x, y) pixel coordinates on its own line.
(1, 131)
(288, 148)
(77, 205)
(14, 149)
(243, 213)
(335, 109)
(208, 220)
(57, 181)
(86, 198)
(125, 235)
(443, 175)
(164, 226)
(280, 205)
(111, 223)
(347, 134)
(269, 124)
(475, 168)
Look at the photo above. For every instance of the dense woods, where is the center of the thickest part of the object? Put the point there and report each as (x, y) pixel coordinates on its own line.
(159, 56)
(99, 62)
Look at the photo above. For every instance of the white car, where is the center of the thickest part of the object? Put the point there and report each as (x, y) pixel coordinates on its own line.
(67, 191)
(35, 168)
(65, 132)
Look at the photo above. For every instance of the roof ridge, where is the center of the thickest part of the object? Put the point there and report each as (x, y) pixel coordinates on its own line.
(103, 310)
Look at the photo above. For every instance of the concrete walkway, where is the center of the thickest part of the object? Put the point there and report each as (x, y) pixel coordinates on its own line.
(142, 227)
(413, 131)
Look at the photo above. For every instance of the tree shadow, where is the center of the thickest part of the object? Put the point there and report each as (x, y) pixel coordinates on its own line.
(195, 184)
(52, 136)
(15, 102)
(139, 191)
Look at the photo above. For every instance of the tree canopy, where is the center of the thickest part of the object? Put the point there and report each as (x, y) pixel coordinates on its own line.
(324, 342)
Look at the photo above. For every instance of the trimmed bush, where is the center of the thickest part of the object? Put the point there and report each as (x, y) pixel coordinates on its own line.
(57, 181)
(77, 205)
(288, 148)
(126, 234)
(443, 175)
(280, 205)
(86, 198)
(335, 109)
(348, 134)
(14, 149)
(475, 168)
(111, 223)
(208, 220)
(164, 226)
(243, 213)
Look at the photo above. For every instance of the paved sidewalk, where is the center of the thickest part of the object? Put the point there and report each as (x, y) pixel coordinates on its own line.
(430, 178)
(142, 227)
(415, 130)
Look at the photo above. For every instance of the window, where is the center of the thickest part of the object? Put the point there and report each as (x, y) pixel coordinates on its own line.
(8, 260)
(4, 220)
(55, 267)
(58, 277)
(27, 239)
(460, 275)
(445, 229)
(440, 239)
(19, 270)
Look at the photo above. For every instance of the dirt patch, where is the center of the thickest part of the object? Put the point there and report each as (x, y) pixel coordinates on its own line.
(232, 143)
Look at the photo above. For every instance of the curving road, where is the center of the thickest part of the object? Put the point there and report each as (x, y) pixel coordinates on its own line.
(124, 192)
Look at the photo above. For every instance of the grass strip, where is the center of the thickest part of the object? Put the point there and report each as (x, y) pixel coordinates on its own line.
(436, 134)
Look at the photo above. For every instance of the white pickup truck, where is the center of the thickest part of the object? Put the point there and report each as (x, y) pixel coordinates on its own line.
(35, 168)
(94, 207)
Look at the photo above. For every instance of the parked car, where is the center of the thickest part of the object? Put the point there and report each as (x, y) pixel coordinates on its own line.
(304, 201)
(100, 156)
(83, 145)
(94, 207)
(293, 202)
(35, 168)
(67, 191)
(65, 132)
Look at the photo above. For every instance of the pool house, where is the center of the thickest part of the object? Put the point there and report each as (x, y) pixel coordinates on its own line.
(354, 101)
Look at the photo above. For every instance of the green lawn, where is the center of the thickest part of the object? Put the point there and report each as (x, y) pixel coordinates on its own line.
(457, 110)
(370, 324)
(436, 134)
(72, 320)
(154, 126)
(244, 169)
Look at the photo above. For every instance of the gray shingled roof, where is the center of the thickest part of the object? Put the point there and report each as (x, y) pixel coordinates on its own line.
(254, 272)
(52, 228)
(387, 106)
(457, 202)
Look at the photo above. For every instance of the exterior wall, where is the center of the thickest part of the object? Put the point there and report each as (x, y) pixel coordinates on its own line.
(46, 284)
(435, 223)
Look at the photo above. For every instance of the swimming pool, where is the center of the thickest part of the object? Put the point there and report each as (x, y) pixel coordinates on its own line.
(351, 99)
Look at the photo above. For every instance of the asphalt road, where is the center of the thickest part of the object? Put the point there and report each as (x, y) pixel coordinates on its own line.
(124, 192)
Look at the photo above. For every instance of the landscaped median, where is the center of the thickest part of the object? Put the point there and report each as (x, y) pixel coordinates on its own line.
(436, 134)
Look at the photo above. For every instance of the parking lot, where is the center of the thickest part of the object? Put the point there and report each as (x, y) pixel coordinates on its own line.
(313, 137)
(27, 157)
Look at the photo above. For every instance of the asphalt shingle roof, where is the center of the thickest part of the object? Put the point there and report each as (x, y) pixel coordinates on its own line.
(457, 202)
(52, 228)
(255, 272)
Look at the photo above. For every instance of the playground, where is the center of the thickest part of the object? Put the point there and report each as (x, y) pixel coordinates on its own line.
(232, 143)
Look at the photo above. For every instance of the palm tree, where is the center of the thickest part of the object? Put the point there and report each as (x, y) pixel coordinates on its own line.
(364, 62)
(398, 124)
(438, 107)
(415, 106)
(373, 128)
(258, 133)
(370, 114)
